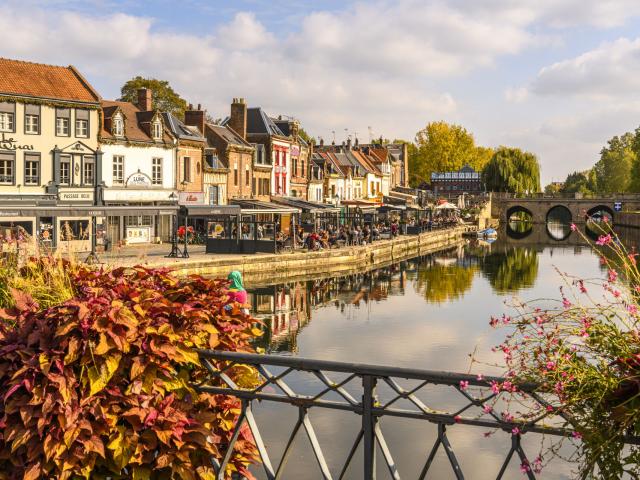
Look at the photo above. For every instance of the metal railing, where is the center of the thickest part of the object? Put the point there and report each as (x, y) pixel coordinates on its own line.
(356, 388)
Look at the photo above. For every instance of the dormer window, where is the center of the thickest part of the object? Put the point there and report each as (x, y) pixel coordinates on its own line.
(156, 130)
(117, 128)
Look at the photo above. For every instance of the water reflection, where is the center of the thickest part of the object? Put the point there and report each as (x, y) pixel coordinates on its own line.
(439, 279)
(429, 312)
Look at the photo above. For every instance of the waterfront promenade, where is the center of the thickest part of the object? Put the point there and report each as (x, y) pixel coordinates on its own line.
(260, 267)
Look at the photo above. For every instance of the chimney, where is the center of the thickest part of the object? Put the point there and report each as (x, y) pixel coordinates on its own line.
(294, 128)
(195, 118)
(321, 142)
(357, 141)
(349, 143)
(144, 99)
(238, 118)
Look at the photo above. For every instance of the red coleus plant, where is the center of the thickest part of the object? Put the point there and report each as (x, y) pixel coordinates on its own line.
(102, 385)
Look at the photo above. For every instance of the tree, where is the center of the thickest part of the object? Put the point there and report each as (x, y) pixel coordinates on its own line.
(443, 147)
(613, 170)
(553, 188)
(579, 182)
(164, 98)
(512, 170)
(304, 135)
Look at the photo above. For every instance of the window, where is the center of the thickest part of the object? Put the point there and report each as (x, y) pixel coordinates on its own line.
(7, 168)
(294, 167)
(63, 119)
(247, 176)
(32, 169)
(156, 130)
(82, 123)
(7, 116)
(117, 125)
(186, 172)
(88, 170)
(32, 119)
(235, 174)
(118, 170)
(65, 170)
(213, 195)
(156, 171)
(74, 230)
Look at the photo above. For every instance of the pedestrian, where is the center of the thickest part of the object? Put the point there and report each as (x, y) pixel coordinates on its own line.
(237, 293)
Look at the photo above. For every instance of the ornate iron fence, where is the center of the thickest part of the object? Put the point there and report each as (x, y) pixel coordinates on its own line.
(353, 388)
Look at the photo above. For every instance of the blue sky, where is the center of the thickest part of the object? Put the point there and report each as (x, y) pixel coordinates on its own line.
(556, 77)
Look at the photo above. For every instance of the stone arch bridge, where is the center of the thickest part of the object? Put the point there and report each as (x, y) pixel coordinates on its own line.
(503, 205)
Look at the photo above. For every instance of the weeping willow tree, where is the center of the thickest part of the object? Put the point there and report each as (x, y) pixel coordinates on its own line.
(512, 170)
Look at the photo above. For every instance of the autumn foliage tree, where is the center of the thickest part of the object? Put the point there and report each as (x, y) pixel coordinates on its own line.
(102, 385)
(444, 147)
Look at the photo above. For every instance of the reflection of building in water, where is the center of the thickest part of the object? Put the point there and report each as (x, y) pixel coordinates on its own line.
(283, 309)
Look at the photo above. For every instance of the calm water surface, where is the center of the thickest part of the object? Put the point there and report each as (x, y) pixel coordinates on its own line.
(430, 312)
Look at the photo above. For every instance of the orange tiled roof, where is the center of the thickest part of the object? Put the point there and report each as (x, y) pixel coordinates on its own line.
(137, 124)
(47, 81)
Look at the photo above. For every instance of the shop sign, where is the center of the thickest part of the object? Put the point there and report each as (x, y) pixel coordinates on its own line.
(75, 196)
(295, 150)
(138, 179)
(12, 144)
(191, 198)
(138, 235)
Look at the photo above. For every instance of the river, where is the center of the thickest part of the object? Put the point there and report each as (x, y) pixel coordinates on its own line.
(429, 312)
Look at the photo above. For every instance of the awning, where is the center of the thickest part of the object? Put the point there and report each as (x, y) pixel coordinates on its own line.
(305, 205)
(86, 211)
(209, 210)
(257, 206)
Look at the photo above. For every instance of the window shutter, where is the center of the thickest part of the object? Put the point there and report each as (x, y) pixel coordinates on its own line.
(7, 107)
(82, 114)
(63, 112)
(32, 109)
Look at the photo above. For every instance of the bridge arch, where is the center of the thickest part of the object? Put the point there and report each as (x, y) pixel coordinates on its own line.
(558, 221)
(519, 227)
(600, 212)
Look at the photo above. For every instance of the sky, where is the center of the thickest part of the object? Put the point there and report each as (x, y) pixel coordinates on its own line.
(555, 77)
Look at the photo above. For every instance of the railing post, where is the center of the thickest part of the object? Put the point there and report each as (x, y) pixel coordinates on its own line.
(368, 426)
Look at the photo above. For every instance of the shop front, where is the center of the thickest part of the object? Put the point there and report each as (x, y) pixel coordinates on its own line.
(140, 227)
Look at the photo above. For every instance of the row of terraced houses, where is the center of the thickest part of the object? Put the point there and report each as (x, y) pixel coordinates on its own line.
(62, 146)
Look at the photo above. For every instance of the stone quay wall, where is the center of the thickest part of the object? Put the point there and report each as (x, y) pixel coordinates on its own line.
(627, 219)
(260, 269)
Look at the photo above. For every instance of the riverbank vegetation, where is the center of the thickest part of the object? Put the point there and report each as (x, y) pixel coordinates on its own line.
(584, 355)
(98, 368)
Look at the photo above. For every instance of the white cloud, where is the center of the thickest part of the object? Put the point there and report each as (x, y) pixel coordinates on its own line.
(516, 94)
(611, 70)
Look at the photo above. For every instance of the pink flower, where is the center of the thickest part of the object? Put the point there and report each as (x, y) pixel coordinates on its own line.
(582, 287)
(515, 431)
(566, 303)
(551, 365)
(613, 275)
(487, 409)
(494, 387)
(604, 239)
(480, 377)
(573, 227)
(464, 384)
(457, 418)
(576, 435)
(633, 309)
(549, 408)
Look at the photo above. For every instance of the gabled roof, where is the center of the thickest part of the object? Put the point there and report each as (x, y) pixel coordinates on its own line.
(44, 81)
(227, 134)
(258, 123)
(181, 131)
(333, 163)
(366, 162)
(137, 124)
